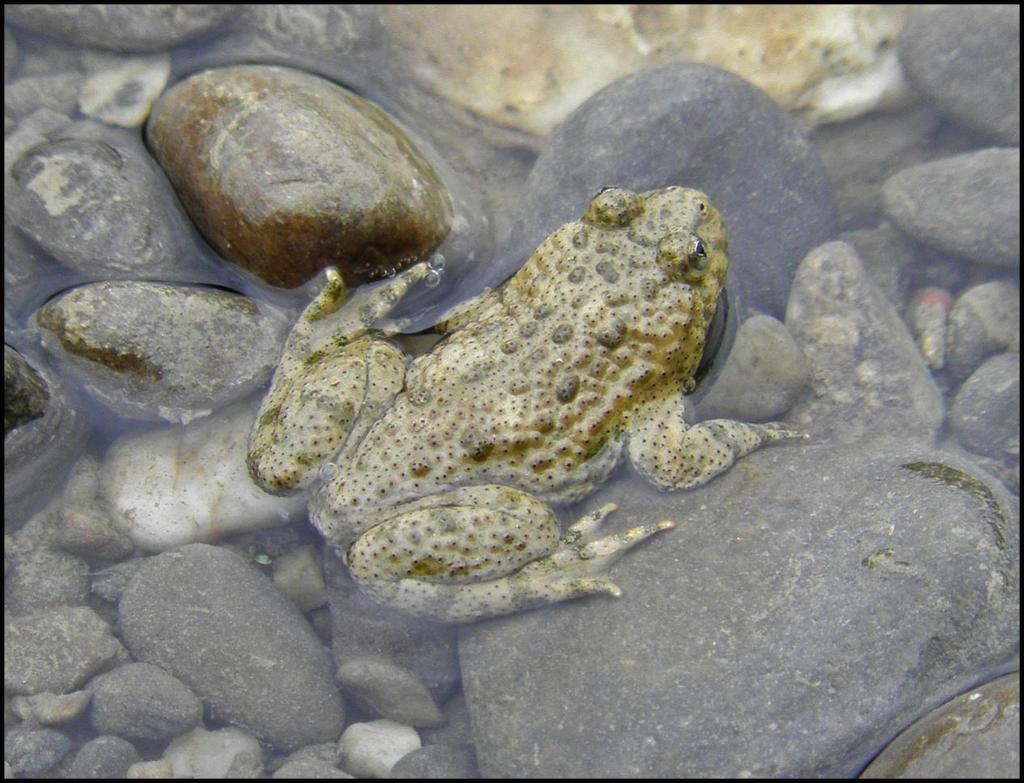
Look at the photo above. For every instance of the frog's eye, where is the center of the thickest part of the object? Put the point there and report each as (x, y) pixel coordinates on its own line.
(684, 254)
(614, 207)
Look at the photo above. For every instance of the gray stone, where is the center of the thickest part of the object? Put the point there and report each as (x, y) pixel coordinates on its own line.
(386, 689)
(303, 768)
(967, 59)
(25, 394)
(761, 378)
(32, 752)
(163, 352)
(123, 28)
(985, 320)
(435, 762)
(50, 709)
(39, 453)
(866, 372)
(700, 127)
(967, 205)
(976, 735)
(142, 701)
(103, 757)
(42, 579)
(55, 91)
(810, 603)
(97, 207)
(985, 413)
(370, 750)
(215, 622)
(57, 650)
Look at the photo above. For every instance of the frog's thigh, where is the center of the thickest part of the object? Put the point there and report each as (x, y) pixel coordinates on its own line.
(675, 455)
(457, 556)
(308, 415)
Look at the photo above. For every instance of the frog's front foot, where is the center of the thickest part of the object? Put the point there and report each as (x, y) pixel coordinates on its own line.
(484, 551)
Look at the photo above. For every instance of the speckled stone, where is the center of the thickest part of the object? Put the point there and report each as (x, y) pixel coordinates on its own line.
(966, 58)
(976, 735)
(986, 411)
(286, 173)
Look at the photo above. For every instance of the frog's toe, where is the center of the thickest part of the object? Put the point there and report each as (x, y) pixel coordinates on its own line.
(580, 552)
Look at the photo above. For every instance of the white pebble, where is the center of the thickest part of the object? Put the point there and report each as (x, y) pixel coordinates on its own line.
(370, 750)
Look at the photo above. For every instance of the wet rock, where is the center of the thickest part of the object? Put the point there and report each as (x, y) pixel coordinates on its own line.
(32, 752)
(121, 90)
(985, 320)
(528, 67)
(57, 650)
(209, 754)
(928, 316)
(967, 205)
(153, 351)
(25, 394)
(700, 127)
(866, 372)
(370, 750)
(299, 576)
(10, 54)
(361, 628)
(42, 579)
(38, 454)
(55, 91)
(82, 525)
(436, 762)
(203, 614)
(985, 413)
(967, 60)
(386, 689)
(142, 701)
(50, 709)
(96, 208)
(816, 584)
(123, 28)
(286, 173)
(762, 376)
(976, 735)
(144, 478)
(103, 757)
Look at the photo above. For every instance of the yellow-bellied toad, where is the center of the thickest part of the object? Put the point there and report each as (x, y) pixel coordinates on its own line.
(445, 468)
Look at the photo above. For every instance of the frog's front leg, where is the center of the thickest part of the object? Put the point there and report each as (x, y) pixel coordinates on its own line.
(333, 380)
(483, 551)
(675, 455)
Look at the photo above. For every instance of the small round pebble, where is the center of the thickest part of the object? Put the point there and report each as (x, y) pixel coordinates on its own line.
(986, 411)
(142, 701)
(45, 579)
(31, 752)
(103, 757)
(967, 205)
(370, 750)
(389, 690)
(984, 320)
(437, 761)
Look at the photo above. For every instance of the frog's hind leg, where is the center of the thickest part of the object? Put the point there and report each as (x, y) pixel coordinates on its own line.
(676, 455)
(485, 551)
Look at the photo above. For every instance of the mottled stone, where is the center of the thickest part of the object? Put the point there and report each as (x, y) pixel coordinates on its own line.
(286, 173)
(212, 754)
(25, 394)
(966, 58)
(33, 752)
(370, 750)
(985, 320)
(974, 736)
(42, 579)
(433, 762)
(383, 688)
(985, 413)
(967, 205)
(216, 623)
(142, 701)
(103, 757)
(163, 352)
(96, 208)
(121, 90)
(57, 650)
(867, 374)
(762, 376)
(124, 28)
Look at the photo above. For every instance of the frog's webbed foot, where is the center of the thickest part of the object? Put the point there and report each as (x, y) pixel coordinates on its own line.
(676, 455)
(484, 551)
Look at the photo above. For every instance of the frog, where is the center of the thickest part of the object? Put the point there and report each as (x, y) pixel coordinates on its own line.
(436, 478)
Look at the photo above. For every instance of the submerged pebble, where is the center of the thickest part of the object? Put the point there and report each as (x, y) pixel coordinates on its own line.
(286, 173)
(985, 320)
(163, 352)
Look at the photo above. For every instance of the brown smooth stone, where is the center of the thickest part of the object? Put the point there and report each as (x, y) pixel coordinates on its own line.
(286, 173)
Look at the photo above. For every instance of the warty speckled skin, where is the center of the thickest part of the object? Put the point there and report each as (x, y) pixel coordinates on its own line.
(444, 468)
